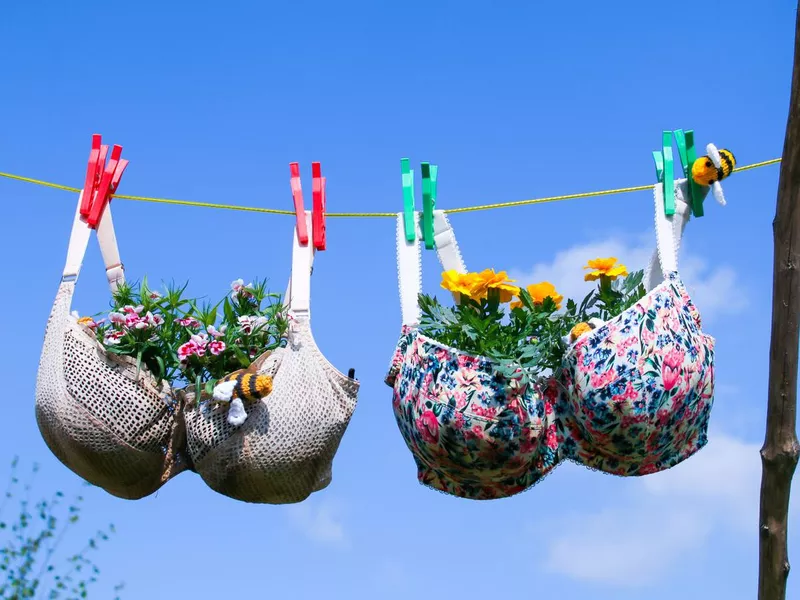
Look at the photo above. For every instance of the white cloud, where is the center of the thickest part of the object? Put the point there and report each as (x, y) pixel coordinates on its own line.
(667, 517)
(319, 521)
(624, 547)
(714, 291)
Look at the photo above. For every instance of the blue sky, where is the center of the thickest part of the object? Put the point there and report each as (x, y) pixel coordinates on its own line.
(211, 101)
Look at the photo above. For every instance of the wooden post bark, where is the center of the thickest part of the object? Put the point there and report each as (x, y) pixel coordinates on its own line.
(780, 451)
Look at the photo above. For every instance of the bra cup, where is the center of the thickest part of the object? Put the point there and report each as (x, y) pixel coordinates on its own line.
(470, 436)
(637, 392)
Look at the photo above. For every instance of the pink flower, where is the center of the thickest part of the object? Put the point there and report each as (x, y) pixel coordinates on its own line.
(116, 318)
(154, 295)
(189, 322)
(153, 320)
(552, 439)
(238, 289)
(132, 310)
(246, 322)
(428, 427)
(214, 332)
(112, 338)
(186, 350)
(459, 421)
(670, 368)
(600, 381)
(216, 347)
(132, 319)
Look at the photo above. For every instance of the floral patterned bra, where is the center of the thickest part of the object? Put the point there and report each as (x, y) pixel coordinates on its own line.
(470, 435)
(633, 397)
(636, 393)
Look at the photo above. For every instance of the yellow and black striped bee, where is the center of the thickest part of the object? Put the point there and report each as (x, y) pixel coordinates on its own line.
(711, 169)
(244, 384)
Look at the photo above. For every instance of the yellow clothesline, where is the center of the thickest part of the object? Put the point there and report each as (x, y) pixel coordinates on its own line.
(276, 211)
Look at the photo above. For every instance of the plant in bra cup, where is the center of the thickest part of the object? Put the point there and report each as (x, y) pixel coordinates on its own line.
(616, 292)
(524, 338)
(185, 342)
(528, 339)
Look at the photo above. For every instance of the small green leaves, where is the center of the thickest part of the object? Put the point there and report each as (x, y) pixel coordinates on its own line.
(527, 341)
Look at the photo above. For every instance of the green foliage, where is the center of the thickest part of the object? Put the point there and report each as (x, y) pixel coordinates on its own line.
(529, 340)
(186, 341)
(31, 561)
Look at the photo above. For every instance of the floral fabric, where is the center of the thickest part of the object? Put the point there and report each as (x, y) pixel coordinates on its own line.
(470, 435)
(634, 397)
(636, 393)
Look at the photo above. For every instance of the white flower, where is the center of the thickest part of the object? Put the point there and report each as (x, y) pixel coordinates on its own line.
(112, 338)
(246, 322)
(236, 413)
(116, 318)
(153, 320)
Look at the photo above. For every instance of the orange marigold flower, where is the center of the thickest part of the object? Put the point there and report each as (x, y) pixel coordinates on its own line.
(458, 283)
(88, 321)
(540, 291)
(605, 267)
(489, 280)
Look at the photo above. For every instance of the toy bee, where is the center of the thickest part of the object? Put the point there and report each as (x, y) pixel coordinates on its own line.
(713, 168)
(582, 328)
(244, 384)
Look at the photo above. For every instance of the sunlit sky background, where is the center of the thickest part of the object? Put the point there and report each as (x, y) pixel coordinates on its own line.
(512, 101)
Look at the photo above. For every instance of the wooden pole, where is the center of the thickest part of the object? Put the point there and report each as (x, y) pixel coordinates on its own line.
(780, 451)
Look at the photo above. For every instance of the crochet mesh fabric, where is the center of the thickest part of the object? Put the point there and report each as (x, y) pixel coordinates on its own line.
(115, 429)
(284, 451)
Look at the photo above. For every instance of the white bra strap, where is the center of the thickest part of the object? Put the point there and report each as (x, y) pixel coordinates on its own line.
(409, 261)
(409, 271)
(79, 241)
(107, 238)
(446, 245)
(299, 290)
(669, 233)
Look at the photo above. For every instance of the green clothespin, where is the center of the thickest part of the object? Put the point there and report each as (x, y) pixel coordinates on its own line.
(429, 174)
(408, 199)
(666, 172)
(688, 154)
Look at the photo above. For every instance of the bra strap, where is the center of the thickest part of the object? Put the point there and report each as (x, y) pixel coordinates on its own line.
(669, 234)
(299, 289)
(409, 271)
(409, 261)
(106, 236)
(79, 241)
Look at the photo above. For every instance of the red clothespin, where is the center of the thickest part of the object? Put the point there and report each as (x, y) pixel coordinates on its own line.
(93, 172)
(299, 209)
(108, 185)
(318, 214)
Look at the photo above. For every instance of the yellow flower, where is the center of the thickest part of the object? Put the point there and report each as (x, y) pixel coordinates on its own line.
(579, 330)
(86, 321)
(489, 280)
(458, 283)
(605, 267)
(540, 291)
